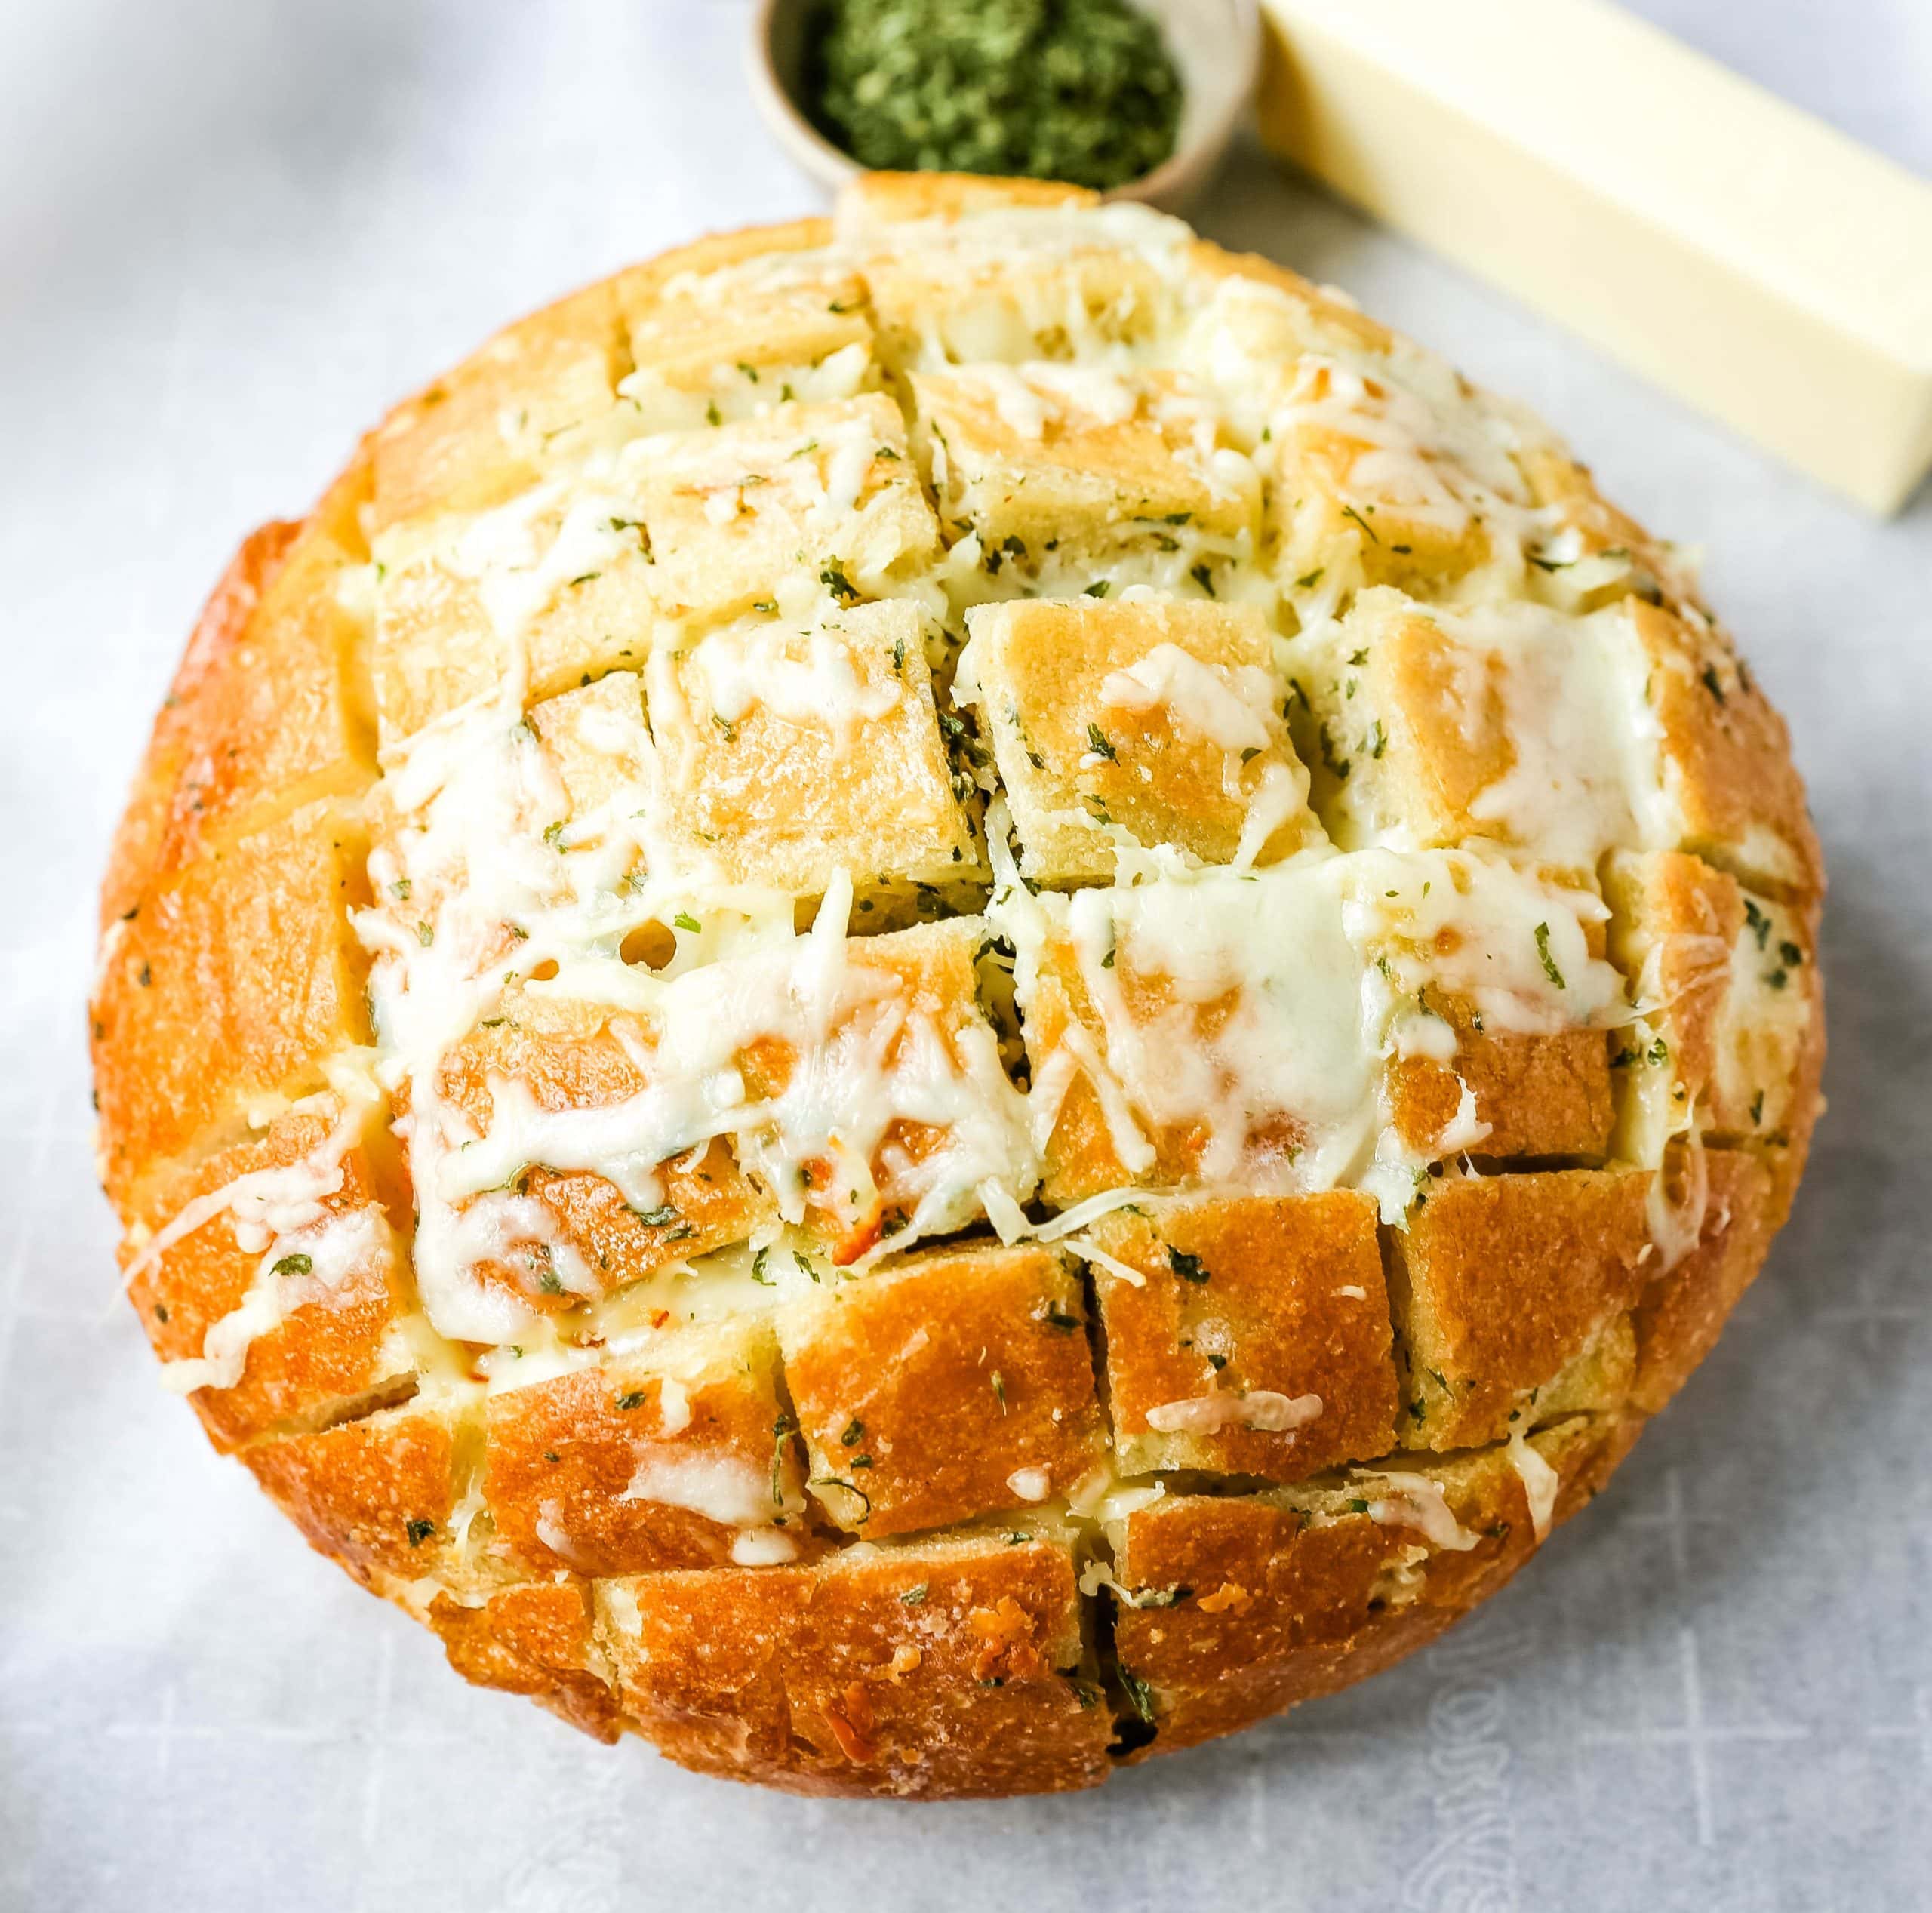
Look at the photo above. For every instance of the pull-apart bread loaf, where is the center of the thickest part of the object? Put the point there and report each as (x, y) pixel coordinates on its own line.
(932, 999)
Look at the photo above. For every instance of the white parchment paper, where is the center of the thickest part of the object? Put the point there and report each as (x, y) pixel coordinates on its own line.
(229, 235)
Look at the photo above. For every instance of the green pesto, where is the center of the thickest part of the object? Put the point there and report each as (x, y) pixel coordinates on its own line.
(1077, 90)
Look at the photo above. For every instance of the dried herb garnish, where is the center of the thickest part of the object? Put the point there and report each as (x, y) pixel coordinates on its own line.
(1077, 90)
(1549, 968)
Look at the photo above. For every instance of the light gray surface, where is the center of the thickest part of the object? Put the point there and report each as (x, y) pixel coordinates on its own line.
(229, 238)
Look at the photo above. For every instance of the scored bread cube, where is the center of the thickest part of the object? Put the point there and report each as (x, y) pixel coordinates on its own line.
(1678, 1322)
(999, 292)
(1508, 724)
(1497, 1006)
(899, 1149)
(1593, 556)
(233, 982)
(676, 1455)
(1732, 793)
(697, 1656)
(731, 339)
(1510, 1295)
(979, 302)
(1206, 1032)
(1234, 1607)
(1376, 484)
(535, 1639)
(789, 754)
(543, 1057)
(1002, 272)
(1252, 1605)
(949, 1666)
(1544, 1095)
(268, 709)
(1561, 737)
(1727, 1039)
(737, 516)
(1061, 471)
(598, 745)
(951, 1386)
(571, 785)
(1264, 316)
(378, 1496)
(324, 1291)
(1161, 719)
(491, 429)
(1247, 1335)
(549, 588)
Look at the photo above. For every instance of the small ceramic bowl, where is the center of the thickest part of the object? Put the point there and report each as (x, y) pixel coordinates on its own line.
(1215, 43)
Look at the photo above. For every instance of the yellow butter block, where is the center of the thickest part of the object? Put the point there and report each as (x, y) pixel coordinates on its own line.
(1757, 263)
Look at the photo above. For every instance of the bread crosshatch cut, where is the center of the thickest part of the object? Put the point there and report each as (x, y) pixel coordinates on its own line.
(936, 998)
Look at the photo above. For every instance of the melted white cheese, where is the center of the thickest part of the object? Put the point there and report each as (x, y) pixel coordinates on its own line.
(1256, 1023)
(760, 664)
(1417, 1501)
(1229, 707)
(1541, 1483)
(330, 1261)
(1030, 1484)
(725, 1489)
(1425, 462)
(1512, 944)
(265, 1203)
(1264, 1410)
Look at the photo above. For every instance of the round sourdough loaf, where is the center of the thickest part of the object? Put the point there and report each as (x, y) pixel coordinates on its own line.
(931, 999)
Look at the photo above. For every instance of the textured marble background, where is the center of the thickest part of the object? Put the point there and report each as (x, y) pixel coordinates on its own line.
(229, 235)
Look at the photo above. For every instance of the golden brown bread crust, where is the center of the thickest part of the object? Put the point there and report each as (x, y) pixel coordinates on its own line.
(563, 1457)
(1283, 1294)
(1263, 1602)
(1502, 1283)
(1681, 1313)
(535, 1640)
(530, 1523)
(922, 1394)
(225, 985)
(270, 703)
(942, 1669)
(379, 1495)
(150, 838)
(1544, 1096)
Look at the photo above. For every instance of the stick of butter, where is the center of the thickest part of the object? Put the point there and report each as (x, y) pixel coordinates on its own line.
(1761, 266)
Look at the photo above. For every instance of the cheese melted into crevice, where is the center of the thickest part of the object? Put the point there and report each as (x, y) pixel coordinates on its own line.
(310, 1251)
(1405, 1499)
(1265, 1410)
(1538, 723)
(1246, 1007)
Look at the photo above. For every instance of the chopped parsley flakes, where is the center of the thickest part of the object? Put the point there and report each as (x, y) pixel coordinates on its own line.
(1549, 968)
(1188, 1267)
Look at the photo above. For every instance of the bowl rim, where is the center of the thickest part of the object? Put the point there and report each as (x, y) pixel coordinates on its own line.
(832, 165)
